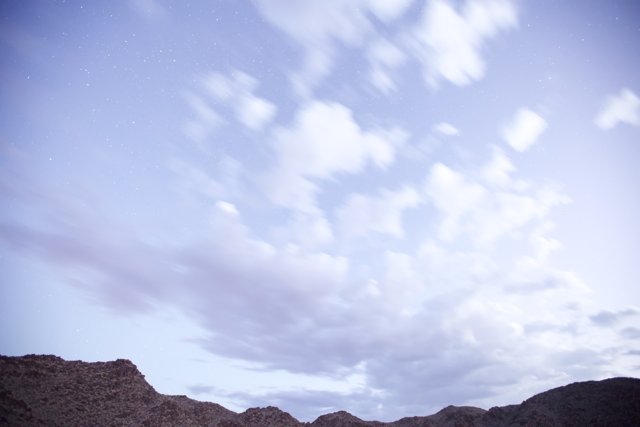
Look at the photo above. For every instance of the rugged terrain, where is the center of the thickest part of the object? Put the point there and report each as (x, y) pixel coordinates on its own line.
(46, 390)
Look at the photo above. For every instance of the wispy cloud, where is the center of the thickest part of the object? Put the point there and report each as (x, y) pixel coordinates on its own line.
(206, 119)
(498, 171)
(623, 107)
(447, 129)
(237, 90)
(217, 93)
(449, 42)
(319, 28)
(384, 57)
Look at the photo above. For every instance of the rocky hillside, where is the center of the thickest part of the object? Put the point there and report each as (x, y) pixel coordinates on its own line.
(48, 391)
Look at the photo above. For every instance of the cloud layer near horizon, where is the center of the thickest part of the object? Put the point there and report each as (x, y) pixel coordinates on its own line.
(466, 318)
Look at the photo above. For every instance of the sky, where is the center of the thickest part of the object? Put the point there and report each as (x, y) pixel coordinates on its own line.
(379, 206)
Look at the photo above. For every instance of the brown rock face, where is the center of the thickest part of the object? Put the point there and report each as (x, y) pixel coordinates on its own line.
(269, 416)
(342, 419)
(611, 402)
(48, 391)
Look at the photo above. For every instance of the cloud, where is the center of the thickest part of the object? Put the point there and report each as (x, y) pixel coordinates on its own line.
(255, 112)
(319, 27)
(384, 57)
(237, 90)
(453, 195)
(200, 389)
(449, 43)
(444, 316)
(607, 318)
(623, 107)
(323, 142)
(226, 267)
(361, 214)
(631, 333)
(479, 325)
(206, 119)
(447, 129)
(469, 209)
(542, 244)
(475, 337)
(227, 207)
(498, 172)
(524, 129)
(440, 285)
(388, 11)
(304, 230)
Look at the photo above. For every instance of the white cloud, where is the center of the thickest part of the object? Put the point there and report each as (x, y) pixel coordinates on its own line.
(484, 214)
(319, 26)
(388, 10)
(507, 212)
(361, 214)
(384, 57)
(524, 129)
(542, 244)
(402, 287)
(314, 23)
(445, 268)
(498, 172)
(237, 90)
(324, 141)
(227, 207)
(316, 26)
(254, 112)
(620, 108)
(447, 129)
(449, 43)
(220, 87)
(454, 195)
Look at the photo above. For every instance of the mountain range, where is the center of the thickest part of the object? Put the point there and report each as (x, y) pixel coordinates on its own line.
(45, 390)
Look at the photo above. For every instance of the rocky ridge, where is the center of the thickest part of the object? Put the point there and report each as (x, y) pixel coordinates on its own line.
(49, 391)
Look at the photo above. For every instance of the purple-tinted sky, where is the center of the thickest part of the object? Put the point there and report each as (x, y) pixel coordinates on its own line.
(379, 206)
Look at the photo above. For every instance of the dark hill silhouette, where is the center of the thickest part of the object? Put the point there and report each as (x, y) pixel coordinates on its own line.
(48, 391)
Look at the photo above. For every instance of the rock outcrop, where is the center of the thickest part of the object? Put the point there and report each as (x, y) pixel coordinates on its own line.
(48, 391)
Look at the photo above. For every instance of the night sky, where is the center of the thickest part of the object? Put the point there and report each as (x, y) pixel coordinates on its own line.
(380, 206)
